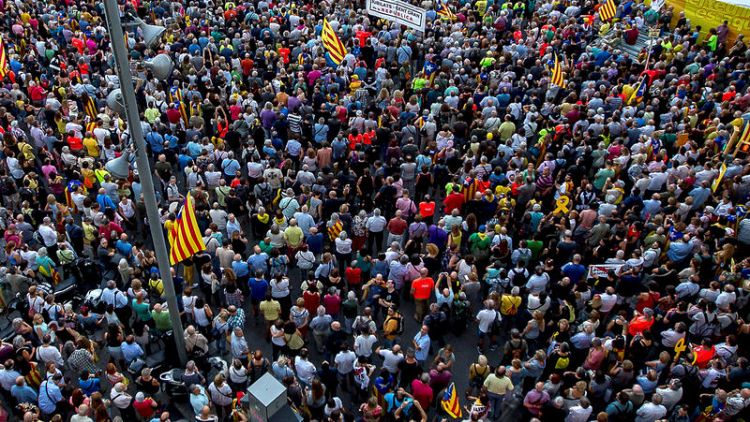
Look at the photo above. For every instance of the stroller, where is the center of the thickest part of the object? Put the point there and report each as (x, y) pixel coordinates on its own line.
(173, 386)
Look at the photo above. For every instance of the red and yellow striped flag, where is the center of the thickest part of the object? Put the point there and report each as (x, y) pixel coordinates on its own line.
(4, 67)
(608, 10)
(745, 136)
(89, 106)
(332, 43)
(186, 237)
(558, 78)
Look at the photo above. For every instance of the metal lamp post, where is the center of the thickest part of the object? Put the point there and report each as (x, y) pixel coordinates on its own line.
(114, 28)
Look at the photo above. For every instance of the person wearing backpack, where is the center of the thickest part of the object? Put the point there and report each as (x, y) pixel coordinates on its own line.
(263, 192)
(621, 409)
(509, 306)
(393, 327)
(486, 320)
(705, 323)
(519, 275)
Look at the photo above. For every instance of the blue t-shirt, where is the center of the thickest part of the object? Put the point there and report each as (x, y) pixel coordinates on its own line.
(394, 403)
(258, 288)
(230, 166)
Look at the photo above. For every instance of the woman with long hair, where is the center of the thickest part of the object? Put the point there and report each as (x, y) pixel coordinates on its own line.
(315, 397)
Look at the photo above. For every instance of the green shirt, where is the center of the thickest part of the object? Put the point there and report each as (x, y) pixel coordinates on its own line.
(419, 83)
(161, 320)
(713, 42)
(601, 177)
(142, 310)
(535, 246)
(487, 62)
(479, 242)
(265, 247)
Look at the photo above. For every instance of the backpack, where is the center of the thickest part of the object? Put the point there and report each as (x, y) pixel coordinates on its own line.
(400, 328)
(153, 290)
(623, 415)
(707, 328)
(518, 278)
(562, 362)
(497, 325)
(7, 186)
(361, 324)
(266, 194)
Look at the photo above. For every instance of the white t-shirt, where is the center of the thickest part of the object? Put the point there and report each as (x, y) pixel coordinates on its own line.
(279, 341)
(345, 361)
(608, 302)
(391, 360)
(486, 317)
(305, 370)
(363, 345)
(537, 283)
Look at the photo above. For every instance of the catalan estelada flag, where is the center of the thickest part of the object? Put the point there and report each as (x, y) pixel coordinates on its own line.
(186, 237)
(608, 10)
(640, 91)
(745, 136)
(450, 403)
(557, 73)
(175, 96)
(4, 67)
(444, 11)
(332, 43)
(89, 106)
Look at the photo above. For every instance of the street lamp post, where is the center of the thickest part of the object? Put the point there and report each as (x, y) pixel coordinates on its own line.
(114, 28)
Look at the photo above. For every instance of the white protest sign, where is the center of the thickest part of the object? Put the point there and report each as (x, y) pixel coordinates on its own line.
(397, 11)
(601, 270)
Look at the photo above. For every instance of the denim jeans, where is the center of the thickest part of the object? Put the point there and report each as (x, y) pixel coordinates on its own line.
(496, 401)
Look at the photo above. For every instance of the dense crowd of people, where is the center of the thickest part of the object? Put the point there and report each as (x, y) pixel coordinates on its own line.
(430, 216)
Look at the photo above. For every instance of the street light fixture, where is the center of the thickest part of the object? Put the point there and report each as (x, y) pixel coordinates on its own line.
(126, 98)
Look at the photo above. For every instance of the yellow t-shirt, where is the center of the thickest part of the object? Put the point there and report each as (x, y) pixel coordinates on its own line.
(270, 309)
(92, 147)
(499, 386)
(293, 236)
(508, 303)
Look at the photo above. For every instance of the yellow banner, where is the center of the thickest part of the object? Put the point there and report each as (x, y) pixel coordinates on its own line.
(711, 13)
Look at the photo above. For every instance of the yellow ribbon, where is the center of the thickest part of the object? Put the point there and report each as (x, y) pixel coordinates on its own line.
(679, 348)
(562, 205)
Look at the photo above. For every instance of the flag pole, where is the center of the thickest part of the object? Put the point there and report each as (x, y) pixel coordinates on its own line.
(114, 28)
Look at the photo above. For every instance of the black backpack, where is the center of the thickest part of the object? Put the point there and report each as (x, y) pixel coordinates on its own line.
(518, 278)
(266, 194)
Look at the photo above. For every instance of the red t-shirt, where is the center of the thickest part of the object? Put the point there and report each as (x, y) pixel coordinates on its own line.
(173, 115)
(426, 209)
(247, 66)
(422, 393)
(397, 226)
(284, 53)
(75, 143)
(144, 408)
(353, 275)
(332, 304)
(312, 301)
(639, 324)
(703, 356)
(453, 201)
(423, 287)
(362, 36)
